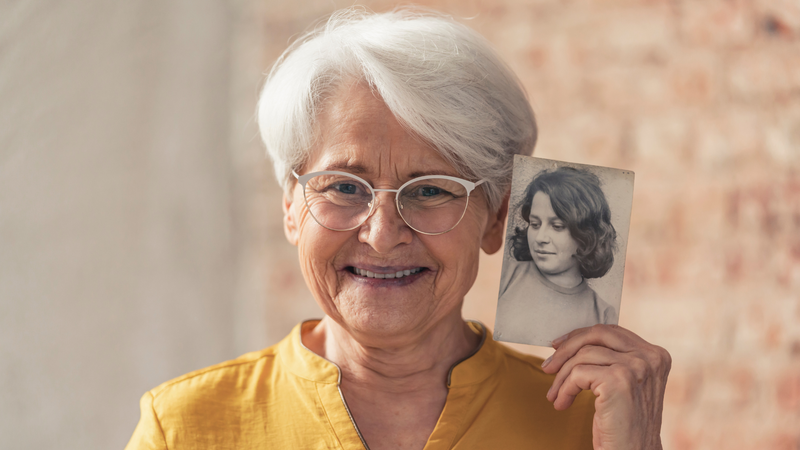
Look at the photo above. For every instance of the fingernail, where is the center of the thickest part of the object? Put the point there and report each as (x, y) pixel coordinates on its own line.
(548, 392)
(547, 361)
(559, 340)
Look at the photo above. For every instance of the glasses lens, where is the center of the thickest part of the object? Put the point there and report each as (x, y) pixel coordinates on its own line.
(433, 205)
(338, 202)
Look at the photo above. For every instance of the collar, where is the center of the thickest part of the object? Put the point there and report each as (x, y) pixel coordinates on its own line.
(481, 364)
(473, 369)
(303, 362)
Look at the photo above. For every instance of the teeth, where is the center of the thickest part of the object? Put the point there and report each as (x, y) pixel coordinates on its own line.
(398, 274)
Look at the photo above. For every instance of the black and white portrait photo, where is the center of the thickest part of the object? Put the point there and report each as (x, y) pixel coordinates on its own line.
(565, 249)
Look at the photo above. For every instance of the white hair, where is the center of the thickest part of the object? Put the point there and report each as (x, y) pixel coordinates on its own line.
(441, 80)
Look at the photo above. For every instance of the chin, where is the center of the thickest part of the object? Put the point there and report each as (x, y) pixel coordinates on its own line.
(378, 319)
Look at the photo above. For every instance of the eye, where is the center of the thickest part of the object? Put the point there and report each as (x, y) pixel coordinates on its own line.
(535, 224)
(429, 191)
(346, 188)
(559, 226)
(433, 194)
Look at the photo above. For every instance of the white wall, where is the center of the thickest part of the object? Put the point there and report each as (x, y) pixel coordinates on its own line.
(119, 242)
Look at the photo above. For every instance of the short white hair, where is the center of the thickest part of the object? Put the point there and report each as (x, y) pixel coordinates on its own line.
(441, 80)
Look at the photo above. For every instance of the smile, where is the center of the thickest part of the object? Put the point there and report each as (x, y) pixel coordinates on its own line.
(398, 274)
(542, 252)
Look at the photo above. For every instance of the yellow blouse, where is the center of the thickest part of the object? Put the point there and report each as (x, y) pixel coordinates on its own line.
(287, 397)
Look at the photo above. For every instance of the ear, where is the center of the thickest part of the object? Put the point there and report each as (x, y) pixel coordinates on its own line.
(493, 235)
(290, 225)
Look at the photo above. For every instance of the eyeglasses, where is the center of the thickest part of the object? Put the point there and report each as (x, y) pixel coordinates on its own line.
(433, 204)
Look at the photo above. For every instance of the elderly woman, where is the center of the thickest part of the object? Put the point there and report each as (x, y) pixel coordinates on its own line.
(569, 238)
(393, 136)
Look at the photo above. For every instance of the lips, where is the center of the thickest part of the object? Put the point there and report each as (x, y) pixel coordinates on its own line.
(542, 252)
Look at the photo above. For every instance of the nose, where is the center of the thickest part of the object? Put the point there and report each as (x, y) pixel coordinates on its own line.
(542, 235)
(385, 229)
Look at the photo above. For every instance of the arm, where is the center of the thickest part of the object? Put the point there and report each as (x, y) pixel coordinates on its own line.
(148, 434)
(627, 375)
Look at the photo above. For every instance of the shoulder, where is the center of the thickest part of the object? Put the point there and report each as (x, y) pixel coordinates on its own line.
(521, 368)
(214, 383)
(607, 314)
(524, 375)
(521, 361)
(512, 272)
(517, 411)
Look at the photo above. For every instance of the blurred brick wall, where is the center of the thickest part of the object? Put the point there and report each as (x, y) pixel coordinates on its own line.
(702, 100)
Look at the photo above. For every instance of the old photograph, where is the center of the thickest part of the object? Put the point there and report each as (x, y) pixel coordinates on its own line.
(564, 257)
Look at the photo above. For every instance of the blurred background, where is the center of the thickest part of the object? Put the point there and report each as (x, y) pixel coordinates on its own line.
(140, 225)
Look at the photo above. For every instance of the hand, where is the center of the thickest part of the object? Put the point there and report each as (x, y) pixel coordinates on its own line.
(628, 376)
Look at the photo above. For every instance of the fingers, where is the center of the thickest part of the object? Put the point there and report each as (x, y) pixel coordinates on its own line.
(626, 374)
(630, 359)
(610, 336)
(604, 381)
(584, 377)
(589, 355)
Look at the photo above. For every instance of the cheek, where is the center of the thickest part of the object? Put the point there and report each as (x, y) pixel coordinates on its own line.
(458, 254)
(317, 251)
(568, 245)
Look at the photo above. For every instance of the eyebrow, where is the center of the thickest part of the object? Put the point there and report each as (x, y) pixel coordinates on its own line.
(423, 173)
(359, 169)
(345, 166)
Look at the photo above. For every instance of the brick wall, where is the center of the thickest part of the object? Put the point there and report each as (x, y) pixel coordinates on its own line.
(702, 100)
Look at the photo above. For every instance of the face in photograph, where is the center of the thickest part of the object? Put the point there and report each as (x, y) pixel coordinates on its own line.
(551, 245)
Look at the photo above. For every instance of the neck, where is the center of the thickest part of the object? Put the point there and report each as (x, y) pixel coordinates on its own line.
(568, 279)
(418, 362)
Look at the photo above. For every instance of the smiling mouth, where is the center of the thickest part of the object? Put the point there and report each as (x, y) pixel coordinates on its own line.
(393, 275)
(542, 252)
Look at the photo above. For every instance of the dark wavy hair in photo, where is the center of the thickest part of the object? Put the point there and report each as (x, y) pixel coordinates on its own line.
(577, 199)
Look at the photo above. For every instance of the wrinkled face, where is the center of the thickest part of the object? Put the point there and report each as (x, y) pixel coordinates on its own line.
(549, 239)
(359, 135)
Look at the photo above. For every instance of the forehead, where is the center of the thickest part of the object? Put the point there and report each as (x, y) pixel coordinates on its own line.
(541, 206)
(357, 133)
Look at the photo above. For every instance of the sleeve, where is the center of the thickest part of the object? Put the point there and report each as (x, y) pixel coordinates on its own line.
(148, 434)
(610, 316)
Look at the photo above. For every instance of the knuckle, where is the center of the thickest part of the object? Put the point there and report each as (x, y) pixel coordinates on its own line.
(665, 359)
(623, 375)
(651, 356)
(597, 328)
(639, 369)
(595, 332)
(658, 358)
(584, 351)
(579, 371)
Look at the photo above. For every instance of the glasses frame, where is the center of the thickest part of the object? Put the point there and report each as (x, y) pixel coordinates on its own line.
(468, 185)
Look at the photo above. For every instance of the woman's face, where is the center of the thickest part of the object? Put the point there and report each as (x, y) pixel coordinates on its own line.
(359, 135)
(551, 244)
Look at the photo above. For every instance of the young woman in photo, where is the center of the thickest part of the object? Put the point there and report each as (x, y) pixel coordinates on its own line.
(568, 239)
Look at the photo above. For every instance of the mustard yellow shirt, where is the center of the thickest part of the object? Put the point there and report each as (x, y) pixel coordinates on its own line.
(287, 397)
